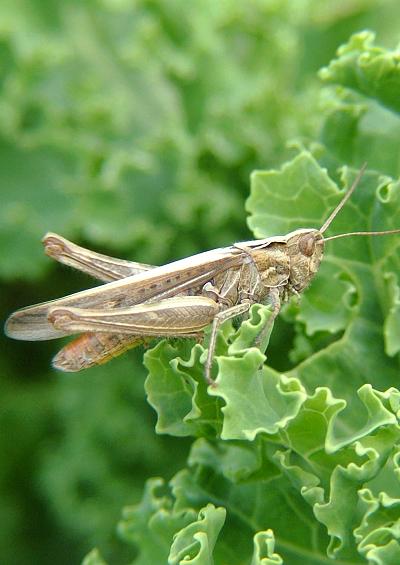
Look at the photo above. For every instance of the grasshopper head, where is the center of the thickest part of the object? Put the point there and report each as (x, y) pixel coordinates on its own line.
(305, 248)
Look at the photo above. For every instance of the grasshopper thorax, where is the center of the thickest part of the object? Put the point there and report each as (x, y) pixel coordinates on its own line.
(305, 249)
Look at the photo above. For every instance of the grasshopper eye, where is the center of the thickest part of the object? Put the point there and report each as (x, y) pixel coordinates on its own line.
(307, 245)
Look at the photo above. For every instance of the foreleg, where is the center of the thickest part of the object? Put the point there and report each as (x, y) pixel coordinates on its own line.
(275, 301)
(221, 317)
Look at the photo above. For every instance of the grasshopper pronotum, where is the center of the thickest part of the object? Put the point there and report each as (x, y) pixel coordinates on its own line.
(178, 299)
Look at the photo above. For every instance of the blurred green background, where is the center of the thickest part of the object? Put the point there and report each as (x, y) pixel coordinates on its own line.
(130, 127)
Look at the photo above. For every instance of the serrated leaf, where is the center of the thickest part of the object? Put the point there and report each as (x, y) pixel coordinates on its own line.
(378, 533)
(358, 130)
(331, 436)
(195, 543)
(301, 185)
(257, 400)
(327, 311)
(176, 388)
(368, 69)
(252, 504)
(264, 545)
(154, 518)
(373, 206)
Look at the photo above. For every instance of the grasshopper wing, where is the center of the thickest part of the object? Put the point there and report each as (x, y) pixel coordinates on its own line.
(161, 282)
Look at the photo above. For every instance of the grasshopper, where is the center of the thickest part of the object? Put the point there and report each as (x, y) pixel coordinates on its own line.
(179, 299)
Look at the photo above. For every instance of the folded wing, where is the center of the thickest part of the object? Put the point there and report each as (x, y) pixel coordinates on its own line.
(32, 323)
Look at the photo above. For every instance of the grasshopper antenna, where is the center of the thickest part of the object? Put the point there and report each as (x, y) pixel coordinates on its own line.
(387, 232)
(340, 206)
(344, 199)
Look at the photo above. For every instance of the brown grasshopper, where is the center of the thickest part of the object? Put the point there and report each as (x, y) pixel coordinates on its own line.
(179, 299)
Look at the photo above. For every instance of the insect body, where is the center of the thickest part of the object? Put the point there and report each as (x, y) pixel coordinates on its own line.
(179, 299)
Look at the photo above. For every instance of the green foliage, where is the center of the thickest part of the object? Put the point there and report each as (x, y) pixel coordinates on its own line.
(134, 128)
(365, 68)
(323, 432)
(322, 447)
